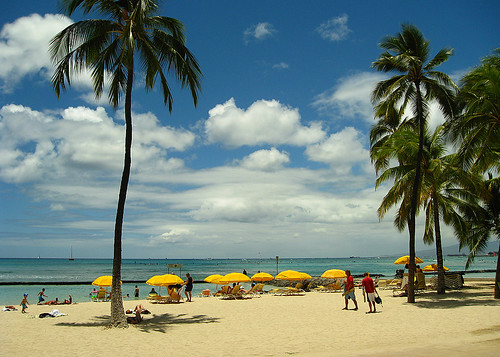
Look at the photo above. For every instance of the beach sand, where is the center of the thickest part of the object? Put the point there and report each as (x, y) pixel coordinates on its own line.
(460, 323)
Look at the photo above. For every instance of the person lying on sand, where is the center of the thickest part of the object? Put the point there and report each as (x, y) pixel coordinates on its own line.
(139, 308)
(50, 302)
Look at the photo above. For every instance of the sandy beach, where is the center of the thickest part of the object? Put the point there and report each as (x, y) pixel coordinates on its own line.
(460, 323)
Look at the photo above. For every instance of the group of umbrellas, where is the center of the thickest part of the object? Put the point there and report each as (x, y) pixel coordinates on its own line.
(171, 279)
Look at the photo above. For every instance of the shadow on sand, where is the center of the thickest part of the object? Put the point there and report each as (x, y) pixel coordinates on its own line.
(469, 296)
(156, 323)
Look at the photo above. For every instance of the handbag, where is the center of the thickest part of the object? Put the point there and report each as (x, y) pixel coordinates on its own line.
(378, 299)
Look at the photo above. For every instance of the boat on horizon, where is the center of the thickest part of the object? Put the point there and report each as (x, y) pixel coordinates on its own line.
(71, 254)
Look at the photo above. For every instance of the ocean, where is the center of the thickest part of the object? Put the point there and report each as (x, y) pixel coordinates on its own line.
(87, 270)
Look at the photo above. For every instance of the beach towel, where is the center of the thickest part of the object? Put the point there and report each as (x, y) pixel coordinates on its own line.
(53, 313)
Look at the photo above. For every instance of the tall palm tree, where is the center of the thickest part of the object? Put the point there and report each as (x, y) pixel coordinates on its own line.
(446, 189)
(441, 191)
(484, 224)
(477, 127)
(477, 131)
(130, 32)
(417, 85)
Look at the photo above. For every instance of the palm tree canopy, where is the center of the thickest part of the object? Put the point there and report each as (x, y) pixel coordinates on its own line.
(477, 127)
(408, 54)
(130, 31)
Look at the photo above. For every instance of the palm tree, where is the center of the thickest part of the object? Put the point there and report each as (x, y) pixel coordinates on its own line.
(131, 32)
(417, 85)
(484, 223)
(477, 128)
(446, 189)
(441, 194)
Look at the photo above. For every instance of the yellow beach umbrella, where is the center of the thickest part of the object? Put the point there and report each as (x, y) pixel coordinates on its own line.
(292, 275)
(214, 278)
(406, 260)
(262, 277)
(164, 280)
(433, 267)
(234, 278)
(105, 280)
(334, 274)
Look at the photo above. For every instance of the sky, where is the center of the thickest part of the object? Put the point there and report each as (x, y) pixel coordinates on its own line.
(273, 161)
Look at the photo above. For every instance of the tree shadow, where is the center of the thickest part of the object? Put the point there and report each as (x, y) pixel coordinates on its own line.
(456, 298)
(157, 323)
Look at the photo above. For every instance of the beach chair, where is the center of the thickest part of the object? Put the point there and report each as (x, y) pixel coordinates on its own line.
(260, 289)
(292, 291)
(223, 291)
(174, 295)
(102, 295)
(235, 293)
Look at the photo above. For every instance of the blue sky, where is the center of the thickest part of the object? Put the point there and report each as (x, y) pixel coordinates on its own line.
(273, 161)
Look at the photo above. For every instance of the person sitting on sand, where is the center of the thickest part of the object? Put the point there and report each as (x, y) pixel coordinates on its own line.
(135, 319)
(67, 302)
(153, 292)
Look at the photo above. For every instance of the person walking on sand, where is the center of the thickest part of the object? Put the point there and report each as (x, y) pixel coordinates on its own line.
(369, 288)
(41, 294)
(189, 286)
(349, 291)
(136, 292)
(24, 303)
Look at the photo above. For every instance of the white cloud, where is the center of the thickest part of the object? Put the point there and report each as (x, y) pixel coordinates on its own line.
(24, 47)
(264, 122)
(281, 65)
(341, 150)
(334, 29)
(79, 140)
(265, 160)
(260, 31)
(350, 98)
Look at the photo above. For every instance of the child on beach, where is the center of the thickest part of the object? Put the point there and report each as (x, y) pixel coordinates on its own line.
(24, 303)
(41, 294)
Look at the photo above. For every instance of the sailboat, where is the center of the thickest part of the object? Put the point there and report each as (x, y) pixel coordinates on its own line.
(71, 254)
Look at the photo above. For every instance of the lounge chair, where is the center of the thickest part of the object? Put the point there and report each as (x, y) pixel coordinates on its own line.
(235, 293)
(102, 295)
(289, 291)
(223, 291)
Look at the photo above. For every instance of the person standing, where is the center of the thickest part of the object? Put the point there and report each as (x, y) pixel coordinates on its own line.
(136, 292)
(24, 303)
(189, 286)
(349, 291)
(41, 294)
(369, 289)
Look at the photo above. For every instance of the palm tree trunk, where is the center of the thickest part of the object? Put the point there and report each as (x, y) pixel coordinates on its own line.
(497, 276)
(439, 249)
(415, 195)
(118, 318)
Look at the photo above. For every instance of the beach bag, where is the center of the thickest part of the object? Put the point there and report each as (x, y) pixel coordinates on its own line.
(378, 299)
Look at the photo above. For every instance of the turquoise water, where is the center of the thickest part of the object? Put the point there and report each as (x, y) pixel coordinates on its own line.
(86, 270)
